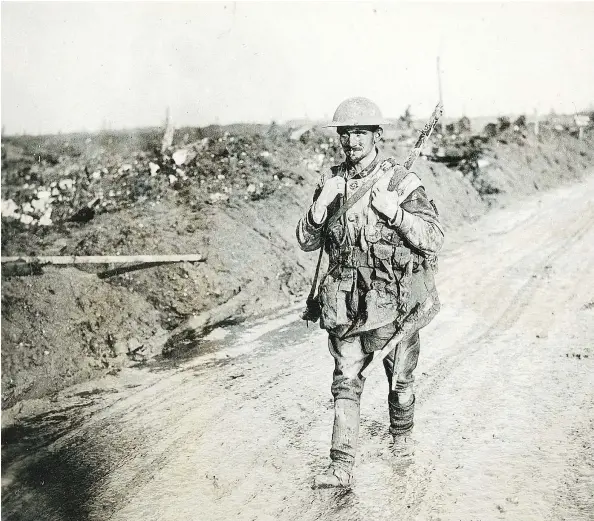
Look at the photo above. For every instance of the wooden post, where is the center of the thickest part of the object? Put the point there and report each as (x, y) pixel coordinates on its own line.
(167, 140)
(104, 259)
(439, 82)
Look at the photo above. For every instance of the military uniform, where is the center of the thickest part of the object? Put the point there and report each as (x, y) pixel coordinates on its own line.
(379, 270)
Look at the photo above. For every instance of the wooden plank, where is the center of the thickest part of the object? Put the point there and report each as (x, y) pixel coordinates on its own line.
(104, 259)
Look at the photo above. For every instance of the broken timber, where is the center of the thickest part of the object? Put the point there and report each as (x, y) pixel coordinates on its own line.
(104, 259)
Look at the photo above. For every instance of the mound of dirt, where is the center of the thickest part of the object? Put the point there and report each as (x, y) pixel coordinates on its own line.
(231, 194)
(67, 326)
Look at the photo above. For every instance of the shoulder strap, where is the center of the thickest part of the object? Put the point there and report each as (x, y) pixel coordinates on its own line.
(408, 185)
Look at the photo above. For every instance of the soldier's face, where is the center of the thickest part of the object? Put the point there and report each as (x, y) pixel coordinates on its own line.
(358, 142)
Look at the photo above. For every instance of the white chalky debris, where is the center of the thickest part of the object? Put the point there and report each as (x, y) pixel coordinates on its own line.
(180, 156)
(154, 168)
(217, 197)
(65, 184)
(9, 208)
(46, 218)
(39, 204)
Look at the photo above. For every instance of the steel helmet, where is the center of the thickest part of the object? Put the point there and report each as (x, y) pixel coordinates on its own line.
(358, 112)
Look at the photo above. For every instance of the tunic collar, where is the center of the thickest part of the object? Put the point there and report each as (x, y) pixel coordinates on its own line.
(351, 172)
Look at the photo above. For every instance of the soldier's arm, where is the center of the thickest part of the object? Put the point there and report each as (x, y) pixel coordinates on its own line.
(417, 221)
(309, 233)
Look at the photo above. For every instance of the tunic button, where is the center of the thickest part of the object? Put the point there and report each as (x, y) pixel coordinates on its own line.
(353, 185)
(352, 218)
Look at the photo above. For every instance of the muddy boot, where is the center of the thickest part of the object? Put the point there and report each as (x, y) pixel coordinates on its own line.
(344, 445)
(334, 477)
(403, 445)
(401, 424)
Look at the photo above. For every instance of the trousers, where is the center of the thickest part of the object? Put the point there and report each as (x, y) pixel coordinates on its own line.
(351, 356)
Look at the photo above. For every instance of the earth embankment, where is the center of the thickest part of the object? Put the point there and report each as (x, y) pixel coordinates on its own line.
(232, 194)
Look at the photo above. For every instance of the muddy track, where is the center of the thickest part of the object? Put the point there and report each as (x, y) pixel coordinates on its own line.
(502, 396)
(519, 303)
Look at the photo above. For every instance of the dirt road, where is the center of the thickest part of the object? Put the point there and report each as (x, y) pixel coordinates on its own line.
(504, 423)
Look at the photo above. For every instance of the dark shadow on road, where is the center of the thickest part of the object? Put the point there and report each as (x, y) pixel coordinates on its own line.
(40, 483)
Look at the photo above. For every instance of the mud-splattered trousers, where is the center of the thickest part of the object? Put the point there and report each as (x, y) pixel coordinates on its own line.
(360, 268)
(351, 356)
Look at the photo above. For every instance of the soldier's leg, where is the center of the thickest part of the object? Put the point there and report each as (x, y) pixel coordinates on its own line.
(401, 398)
(347, 386)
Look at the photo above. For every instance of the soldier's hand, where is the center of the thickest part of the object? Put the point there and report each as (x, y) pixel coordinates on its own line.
(332, 188)
(399, 172)
(383, 200)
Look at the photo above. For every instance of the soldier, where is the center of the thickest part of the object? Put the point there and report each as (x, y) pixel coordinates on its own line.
(381, 257)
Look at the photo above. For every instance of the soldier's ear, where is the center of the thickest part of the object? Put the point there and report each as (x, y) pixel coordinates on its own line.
(378, 134)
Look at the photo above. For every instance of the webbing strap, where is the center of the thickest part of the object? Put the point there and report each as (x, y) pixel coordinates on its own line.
(381, 169)
(314, 283)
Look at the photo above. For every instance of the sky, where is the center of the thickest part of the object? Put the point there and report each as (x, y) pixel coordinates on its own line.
(69, 66)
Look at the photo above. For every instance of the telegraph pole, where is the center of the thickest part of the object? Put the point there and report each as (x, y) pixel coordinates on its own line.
(439, 81)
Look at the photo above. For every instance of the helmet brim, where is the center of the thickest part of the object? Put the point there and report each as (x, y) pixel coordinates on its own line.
(360, 122)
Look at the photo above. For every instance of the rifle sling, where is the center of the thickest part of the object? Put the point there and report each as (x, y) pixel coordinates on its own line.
(314, 283)
(365, 187)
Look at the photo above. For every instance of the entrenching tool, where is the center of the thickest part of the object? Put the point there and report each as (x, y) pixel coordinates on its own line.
(418, 318)
(423, 313)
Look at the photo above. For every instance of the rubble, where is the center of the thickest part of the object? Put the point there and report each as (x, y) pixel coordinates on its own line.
(223, 165)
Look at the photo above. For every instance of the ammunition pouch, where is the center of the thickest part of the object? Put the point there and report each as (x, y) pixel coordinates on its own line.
(351, 257)
(389, 276)
(381, 255)
(389, 235)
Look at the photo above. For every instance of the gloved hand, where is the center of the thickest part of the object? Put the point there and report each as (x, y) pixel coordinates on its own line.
(384, 201)
(332, 188)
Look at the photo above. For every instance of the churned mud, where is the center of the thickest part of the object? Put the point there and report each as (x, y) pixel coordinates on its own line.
(504, 420)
